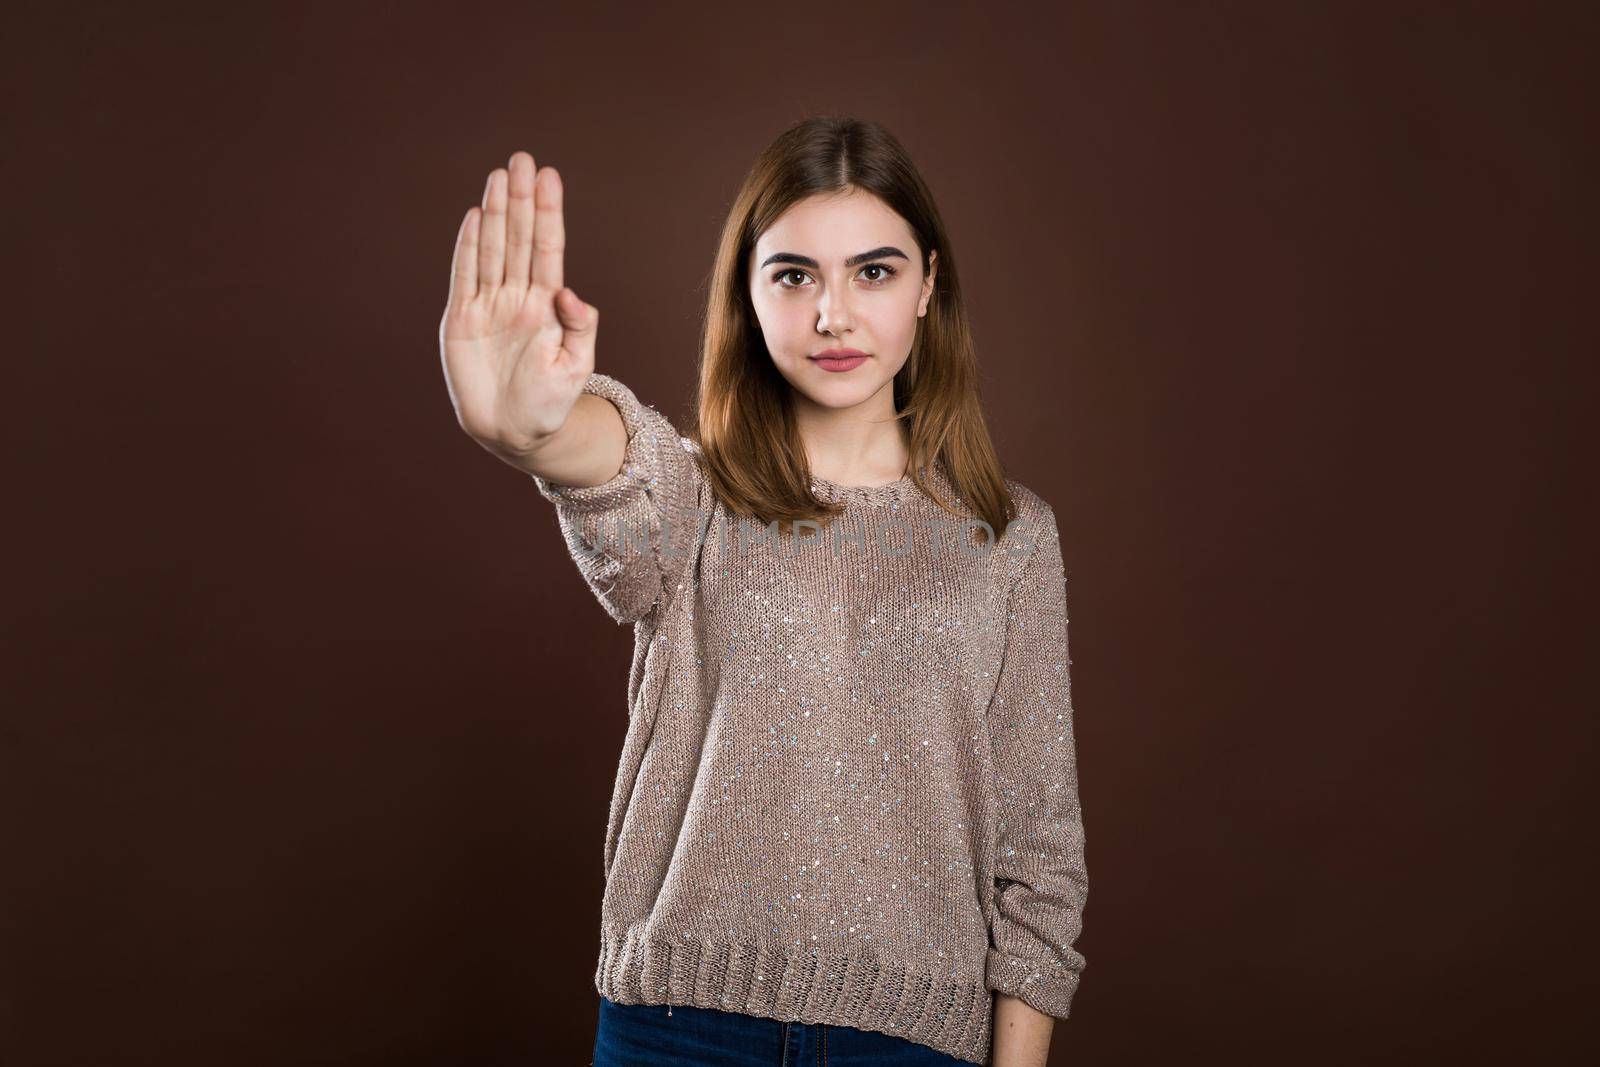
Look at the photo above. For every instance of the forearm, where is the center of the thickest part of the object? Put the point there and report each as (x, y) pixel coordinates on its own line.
(1021, 1034)
(586, 451)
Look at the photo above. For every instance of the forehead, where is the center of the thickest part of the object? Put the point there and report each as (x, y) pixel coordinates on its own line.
(834, 226)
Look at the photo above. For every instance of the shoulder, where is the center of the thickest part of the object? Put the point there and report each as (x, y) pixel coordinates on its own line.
(1037, 541)
(1035, 517)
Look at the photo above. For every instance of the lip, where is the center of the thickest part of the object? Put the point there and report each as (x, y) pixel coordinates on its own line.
(839, 359)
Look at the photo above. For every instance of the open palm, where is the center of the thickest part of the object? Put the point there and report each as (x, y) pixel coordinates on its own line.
(516, 344)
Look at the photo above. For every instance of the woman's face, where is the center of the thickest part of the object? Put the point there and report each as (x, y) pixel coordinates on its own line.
(839, 271)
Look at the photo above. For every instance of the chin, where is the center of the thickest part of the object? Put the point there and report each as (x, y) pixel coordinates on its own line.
(839, 392)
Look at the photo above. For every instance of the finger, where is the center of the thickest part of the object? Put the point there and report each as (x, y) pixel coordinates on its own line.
(464, 267)
(579, 324)
(519, 219)
(492, 232)
(549, 231)
(574, 313)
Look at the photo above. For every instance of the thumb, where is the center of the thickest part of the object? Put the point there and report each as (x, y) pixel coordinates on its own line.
(576, 316)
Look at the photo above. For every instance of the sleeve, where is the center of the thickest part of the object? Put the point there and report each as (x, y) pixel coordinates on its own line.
(626, 535)
(1041, 882)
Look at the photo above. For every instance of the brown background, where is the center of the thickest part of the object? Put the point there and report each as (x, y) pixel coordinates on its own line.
(310, 724)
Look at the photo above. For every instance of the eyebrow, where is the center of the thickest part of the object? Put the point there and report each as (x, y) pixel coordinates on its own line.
(806, 261)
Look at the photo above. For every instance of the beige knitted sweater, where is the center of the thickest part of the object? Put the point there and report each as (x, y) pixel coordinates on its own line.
(847, 792)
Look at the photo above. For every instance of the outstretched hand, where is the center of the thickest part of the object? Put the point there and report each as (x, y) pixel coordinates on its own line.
(516, 344)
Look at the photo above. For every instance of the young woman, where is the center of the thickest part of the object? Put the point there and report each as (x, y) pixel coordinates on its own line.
(845, 826)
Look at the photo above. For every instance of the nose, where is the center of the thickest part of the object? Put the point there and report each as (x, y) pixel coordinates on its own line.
(833, 313)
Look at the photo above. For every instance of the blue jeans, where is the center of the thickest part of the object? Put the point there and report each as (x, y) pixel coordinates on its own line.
(644, 1035)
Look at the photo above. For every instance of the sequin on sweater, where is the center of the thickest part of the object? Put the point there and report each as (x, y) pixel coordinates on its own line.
(847, 792)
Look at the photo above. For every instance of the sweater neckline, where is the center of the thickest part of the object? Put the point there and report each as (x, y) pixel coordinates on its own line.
(897, 491)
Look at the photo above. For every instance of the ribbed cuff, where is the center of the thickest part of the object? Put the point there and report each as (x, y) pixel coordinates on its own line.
(638, 460)
(1045, 989)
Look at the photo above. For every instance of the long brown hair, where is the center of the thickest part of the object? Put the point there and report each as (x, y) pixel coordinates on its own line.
(744, 426)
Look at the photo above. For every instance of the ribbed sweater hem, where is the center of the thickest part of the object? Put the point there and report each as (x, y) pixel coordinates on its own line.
(855, 988)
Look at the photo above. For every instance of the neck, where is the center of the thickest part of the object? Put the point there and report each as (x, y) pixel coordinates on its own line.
(860, 445)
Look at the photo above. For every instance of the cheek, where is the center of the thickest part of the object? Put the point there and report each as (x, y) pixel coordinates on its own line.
(896, 318)
(785, 323)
